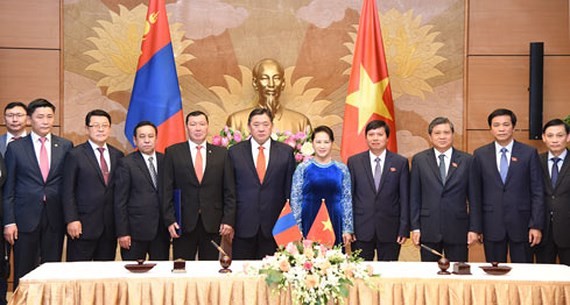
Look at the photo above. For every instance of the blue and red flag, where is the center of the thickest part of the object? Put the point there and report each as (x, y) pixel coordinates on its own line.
(156, 93)
(286, 229)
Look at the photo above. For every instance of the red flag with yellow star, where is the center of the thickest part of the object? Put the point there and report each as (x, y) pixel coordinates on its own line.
(322, 230)
(369, 94)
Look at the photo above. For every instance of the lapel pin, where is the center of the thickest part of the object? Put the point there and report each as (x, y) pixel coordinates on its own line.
(56, 145)
(393, 169)
(453, 164)
(514, 159)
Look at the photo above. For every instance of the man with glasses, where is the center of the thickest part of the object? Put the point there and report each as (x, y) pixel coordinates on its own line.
(88, 193)
(15, 119)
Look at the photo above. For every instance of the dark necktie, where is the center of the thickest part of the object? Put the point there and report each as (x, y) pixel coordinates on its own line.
(153, 174)
(504, 165)
(377, 173)
(554, 175)
(104, 166)
(442, 168)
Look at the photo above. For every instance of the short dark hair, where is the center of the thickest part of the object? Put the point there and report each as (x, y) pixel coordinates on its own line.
(39, 103)
(144, 123)
(325, 129)
(501, 112)
(196, 113)
(375, 124)
(556, 122)
(259, 111)
(14, 105)
(440, 121)
(96, 112)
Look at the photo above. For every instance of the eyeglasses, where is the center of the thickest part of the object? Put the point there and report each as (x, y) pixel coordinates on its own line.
(99, 126)
(14, 115)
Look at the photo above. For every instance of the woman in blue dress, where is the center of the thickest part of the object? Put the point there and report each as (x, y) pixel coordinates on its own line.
(323, 178)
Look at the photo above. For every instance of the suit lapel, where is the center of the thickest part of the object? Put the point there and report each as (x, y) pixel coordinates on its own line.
(563, 169)
(386, 169)
(365, 161)
(433, 165)
(513, 162)
(544, 165)
(31, 152)
(209, 161)
(139, 160)
(492, 156)
(454, 163)
(187, 155)
(92, 160)
(56, 154)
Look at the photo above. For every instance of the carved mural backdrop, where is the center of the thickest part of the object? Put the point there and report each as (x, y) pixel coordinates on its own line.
(216, 43)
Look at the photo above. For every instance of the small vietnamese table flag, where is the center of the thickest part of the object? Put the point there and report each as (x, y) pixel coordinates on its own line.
(156, 93)
(322, 230)
(286, 229)
(369, 94)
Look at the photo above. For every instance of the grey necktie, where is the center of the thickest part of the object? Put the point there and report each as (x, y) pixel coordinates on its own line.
(153, 174)
(377, 173)
(504, 165)
(555, 172)
(442, 167)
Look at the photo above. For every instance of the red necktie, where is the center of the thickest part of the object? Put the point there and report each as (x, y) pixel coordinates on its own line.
(44, 160)
(261, 164)
(104, 167)
(199, 164)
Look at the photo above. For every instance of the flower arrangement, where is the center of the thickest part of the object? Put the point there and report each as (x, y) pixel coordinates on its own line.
(314, 273)
(300, 141)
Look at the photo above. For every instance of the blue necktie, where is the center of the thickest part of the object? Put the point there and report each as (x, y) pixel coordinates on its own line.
(442, 168)
(377, 173)
(504, 166)
(554, 175)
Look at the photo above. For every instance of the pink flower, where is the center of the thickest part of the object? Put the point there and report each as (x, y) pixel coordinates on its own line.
(307, 243)
(284, 265)
(226, 129)
(291, 142)
(307, 265)
(287, 133)
(311, 281)
(237, 136)
(217, 140)
(298, 157)
(225, 142)
(292, 248)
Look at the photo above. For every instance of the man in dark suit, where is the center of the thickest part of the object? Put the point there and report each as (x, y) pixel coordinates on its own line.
(204, 175)
(88, 193)
(33, 219)
(510, 192)
(442, 202)
(138, 212)
(15, 116)
(379, 196)
(555, 165)
(263, 170)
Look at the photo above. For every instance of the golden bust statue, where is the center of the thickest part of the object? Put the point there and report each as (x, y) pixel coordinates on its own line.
(268, 81)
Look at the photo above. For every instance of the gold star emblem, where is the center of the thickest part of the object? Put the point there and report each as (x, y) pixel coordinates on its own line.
(327, 225)
(369, 98)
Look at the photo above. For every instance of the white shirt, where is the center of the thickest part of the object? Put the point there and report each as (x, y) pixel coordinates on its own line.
(498, 153)
(255, 151)
(38, 146)
(154, 161)
(373, 161)
(551, 163)
(10, 137)
(194, 150)
(106, 154)
(446, 159)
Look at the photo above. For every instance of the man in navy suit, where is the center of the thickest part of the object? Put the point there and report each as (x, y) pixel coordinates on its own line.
(15, 116)
(33, 219)
(263, 169)
(203, 174)
(442, 201)
(379, 196)
(555, 165)
(88, 193)
(138, 212)
(510, 192)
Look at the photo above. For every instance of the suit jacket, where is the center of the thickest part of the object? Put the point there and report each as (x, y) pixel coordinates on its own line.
(557, 201)
(213, 199)
(138, 212)
(85, 196)
(259, 204)
(385, 212)
(3, 175)
(443, 212)
(25, 188)
(3, 144)
(517, 205)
